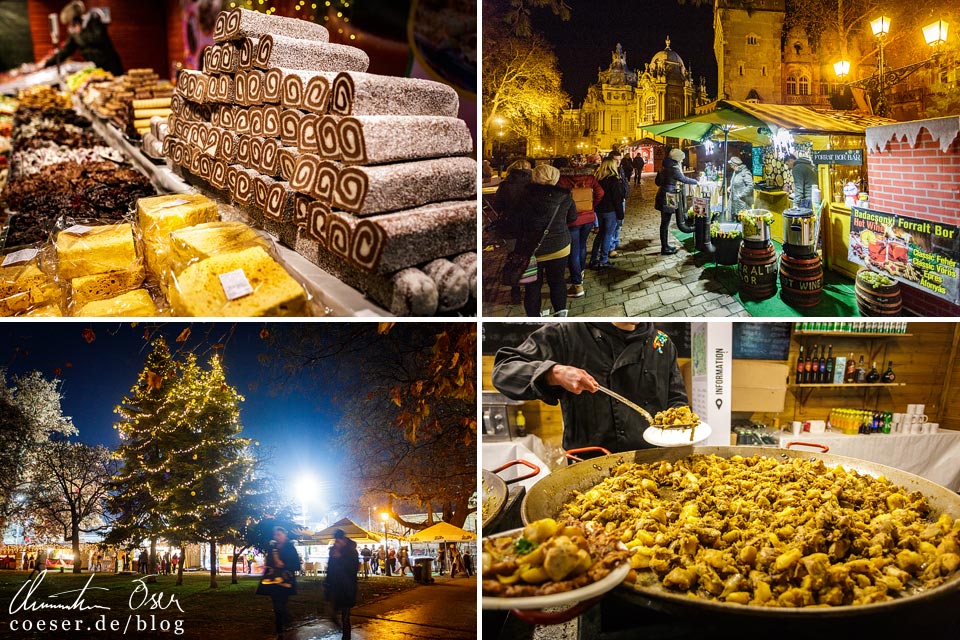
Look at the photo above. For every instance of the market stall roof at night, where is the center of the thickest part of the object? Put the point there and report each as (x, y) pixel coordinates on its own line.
(798, 119)
(442, 531)
(352, 530)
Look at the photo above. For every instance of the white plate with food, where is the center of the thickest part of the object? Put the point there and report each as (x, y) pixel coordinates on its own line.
(547, 564)
(676, 437)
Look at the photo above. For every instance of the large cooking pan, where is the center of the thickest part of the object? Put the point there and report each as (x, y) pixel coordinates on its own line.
(546, 499)
(495, 489)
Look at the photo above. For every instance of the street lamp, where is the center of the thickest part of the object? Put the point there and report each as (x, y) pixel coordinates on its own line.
(935, 34)
(386, 546)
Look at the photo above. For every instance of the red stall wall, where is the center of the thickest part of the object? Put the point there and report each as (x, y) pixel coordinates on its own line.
(919, 181)
(138, 30)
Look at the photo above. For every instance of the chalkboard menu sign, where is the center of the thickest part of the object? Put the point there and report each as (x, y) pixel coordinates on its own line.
(761, 340)
(837, 156)
(510, 334)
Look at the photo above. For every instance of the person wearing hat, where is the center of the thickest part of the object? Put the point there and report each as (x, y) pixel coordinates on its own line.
(741, 187)
(547, 210)
(668, 200)
(804, 179)
(88, 35)
(279, 580)
(340, 585)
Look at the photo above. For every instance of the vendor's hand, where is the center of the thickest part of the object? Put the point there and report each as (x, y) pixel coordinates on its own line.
(572, 379)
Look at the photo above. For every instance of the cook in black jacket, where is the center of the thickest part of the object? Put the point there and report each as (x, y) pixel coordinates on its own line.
(558, 362)
(88, 34)
(542, 198)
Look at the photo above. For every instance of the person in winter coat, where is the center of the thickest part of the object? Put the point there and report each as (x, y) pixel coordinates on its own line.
(508, 200)
(565, 362)
(340, 584)
(547, 211)
(617, 155)
(741, 187)
(668, 200)
(638, 164)
(609, 210)
(88, 35)
(804, 179)
(280, 577)
(587, 193)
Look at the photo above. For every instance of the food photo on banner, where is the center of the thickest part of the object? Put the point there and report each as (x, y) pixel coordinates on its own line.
(238, 480)
(922, 253)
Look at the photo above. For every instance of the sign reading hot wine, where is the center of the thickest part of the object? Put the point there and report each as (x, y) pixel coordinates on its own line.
(921, 253)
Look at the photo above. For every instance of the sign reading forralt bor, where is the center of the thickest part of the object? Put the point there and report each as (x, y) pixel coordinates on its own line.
(921, 253)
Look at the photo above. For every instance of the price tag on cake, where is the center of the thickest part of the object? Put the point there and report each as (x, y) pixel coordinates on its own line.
(174, 203)
(235, 284)
(77, 229)
(24, 255)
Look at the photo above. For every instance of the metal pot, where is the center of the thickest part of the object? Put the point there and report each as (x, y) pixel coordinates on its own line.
(799, 231)
(547, 497)
(751, 220)
(495, 489)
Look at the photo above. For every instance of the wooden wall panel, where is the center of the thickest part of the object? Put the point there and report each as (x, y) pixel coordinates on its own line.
(920, 361)
(950, 416)
(138, 31)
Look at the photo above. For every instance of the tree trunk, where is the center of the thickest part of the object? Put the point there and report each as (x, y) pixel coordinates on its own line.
(152, 569)
(75, 541)
(214, 561)
(183, 552)
(233, 567)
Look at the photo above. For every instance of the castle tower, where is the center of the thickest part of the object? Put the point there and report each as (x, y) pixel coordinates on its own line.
(746, 42)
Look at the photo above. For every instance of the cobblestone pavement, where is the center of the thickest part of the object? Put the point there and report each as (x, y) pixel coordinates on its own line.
(641, 282)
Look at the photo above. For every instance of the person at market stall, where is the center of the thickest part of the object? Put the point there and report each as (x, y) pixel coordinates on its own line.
(638, 164)
(365, 553)
(340, 585)
(804, 179)
(566, 363)
(617, 155)
(609, 210)
(280, 577)
(741, 187)
(88, 35)
(546, 211)
(468, 563)
(668, 200)
(507, 203)
(587, 193)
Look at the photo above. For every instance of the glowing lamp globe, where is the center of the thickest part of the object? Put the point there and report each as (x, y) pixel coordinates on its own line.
(842, 68)
(880, 26)
(936, 33)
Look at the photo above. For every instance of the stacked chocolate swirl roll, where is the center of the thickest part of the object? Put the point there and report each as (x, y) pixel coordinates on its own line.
(367, 176)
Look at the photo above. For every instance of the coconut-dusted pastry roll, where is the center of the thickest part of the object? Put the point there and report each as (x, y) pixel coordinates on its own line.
(278, 209)
(270, 148)
(392, 187)
(453, 289)
(281, 51)
(218, 174)
(239, 23)
(307, 133)
(468, 262)
(271, 120)
(229, 57)
(256, 121)
(261, 184)
(316, 92)
(232, 171)
(286, 161)
(228, 146)
(314, 177)
(383, 139)
(224, 116)
(245, 150)
(204, 166)
(289, 121)
(246, 51)
(367, 94)
(272, 86)
(292, 84)
(242, 189)
(328, 137)
(241, 120)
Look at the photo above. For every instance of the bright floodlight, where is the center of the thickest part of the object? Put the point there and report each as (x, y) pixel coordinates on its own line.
(384, 516)
(880, 26)
(936, 33)
(305, 488)
(842, 68)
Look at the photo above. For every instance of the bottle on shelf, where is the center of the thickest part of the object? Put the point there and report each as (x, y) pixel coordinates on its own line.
(828, 374)
(873, 376)
(888, 375)
(808, 366)
(861, 375)
(799, 375)
(850, 374)
(822, 367)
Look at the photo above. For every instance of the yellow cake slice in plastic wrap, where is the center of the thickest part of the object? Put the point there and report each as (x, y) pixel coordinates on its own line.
(199, 289)
(97, 250)
(202, 241)
(101, 286)
(24, 287)
(136, 303)
(160, 215)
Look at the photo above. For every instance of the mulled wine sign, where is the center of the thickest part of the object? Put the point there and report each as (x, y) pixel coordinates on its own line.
(921, 253)
(837, 156)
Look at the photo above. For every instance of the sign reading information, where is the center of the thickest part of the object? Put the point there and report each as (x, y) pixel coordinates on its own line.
(837, 156)
(921, 253)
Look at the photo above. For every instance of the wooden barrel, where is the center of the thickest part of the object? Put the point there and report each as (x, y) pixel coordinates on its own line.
(801, 280)
(880, 301)
(757, 270)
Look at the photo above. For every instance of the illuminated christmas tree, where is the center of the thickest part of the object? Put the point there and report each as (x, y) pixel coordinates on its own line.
(144, 421)
(208, 467)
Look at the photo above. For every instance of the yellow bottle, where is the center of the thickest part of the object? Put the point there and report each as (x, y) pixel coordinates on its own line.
(521, 423)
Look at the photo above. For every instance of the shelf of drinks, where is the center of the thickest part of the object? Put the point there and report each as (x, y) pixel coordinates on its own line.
(851, 385)
(852, 334)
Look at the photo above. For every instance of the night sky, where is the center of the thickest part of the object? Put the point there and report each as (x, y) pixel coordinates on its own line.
(584, 42)
(96, 375)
